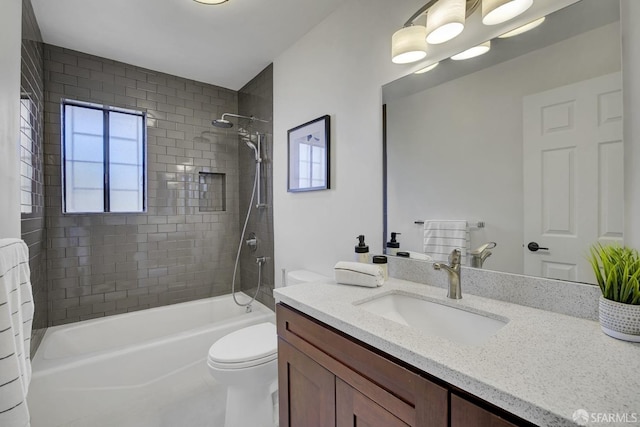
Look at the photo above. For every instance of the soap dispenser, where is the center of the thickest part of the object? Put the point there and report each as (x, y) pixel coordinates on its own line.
(393, 245)
(362, 250)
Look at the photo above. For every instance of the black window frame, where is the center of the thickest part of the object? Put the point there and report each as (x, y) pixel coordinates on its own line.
(106, 109)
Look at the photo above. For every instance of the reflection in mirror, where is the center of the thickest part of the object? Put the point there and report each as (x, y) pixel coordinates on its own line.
(309, 156)
(527, 139)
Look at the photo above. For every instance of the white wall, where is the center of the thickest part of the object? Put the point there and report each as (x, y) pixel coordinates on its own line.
(10, 44)
(455, 150)
(630, 16)
(338, 69)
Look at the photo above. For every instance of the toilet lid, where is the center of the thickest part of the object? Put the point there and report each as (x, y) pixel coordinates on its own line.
(250, 343)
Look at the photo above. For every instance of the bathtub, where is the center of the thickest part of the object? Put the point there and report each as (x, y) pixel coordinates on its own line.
(91, 367)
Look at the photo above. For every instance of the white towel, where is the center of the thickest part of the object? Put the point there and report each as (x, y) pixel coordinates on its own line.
(359, 274)
(16, 318)
(441, 237)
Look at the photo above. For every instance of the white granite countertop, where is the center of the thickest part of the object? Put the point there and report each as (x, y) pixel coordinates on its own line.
(541, 366)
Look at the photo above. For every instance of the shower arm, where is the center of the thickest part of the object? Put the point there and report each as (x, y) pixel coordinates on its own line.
(239, 116)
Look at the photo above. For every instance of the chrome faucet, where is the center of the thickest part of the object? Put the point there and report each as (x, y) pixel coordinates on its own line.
(455, 291)
(481, 253)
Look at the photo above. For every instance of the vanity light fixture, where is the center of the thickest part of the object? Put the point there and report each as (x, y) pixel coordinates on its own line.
(445, 19)
(426, 69)
(496, 12)
(409, 45)
(472, 52)
(211, 1)
(523, 29)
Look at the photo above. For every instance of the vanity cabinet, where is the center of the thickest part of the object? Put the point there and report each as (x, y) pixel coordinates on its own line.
(328, 379)
(307, 389)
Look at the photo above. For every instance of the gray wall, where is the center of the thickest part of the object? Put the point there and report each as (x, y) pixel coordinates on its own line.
(103, 264)
(32, 159)
(256, 99)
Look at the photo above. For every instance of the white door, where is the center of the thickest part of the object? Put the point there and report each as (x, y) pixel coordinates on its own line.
(573, 176)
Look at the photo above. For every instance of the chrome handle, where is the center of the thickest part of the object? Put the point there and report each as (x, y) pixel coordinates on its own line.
(534, 247)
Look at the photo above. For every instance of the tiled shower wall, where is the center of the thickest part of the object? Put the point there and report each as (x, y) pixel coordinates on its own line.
(256, 99)
(31, 165)
(103, 264)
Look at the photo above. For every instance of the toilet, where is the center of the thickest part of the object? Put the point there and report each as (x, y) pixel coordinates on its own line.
(246, 361)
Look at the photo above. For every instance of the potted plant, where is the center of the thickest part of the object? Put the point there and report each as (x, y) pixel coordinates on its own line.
(617, 271)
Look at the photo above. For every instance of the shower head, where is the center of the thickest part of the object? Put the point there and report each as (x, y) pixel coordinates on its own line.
(222, 123)
(226, 124)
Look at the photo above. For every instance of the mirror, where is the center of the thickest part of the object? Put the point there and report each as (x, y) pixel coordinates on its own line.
(308, 152)
(498, 141)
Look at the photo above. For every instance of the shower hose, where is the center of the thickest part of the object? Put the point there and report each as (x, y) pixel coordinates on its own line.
(244, 229)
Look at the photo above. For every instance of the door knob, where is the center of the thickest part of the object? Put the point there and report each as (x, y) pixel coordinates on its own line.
(534, 247)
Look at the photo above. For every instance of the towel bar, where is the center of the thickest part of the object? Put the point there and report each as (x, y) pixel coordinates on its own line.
(479, 224)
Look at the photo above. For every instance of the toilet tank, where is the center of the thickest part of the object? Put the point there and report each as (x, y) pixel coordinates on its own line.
(296, 277)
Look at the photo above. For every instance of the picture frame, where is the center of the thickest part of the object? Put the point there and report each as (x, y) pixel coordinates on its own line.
(308, 150)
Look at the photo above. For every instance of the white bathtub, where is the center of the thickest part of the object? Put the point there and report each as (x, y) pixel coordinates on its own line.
(91, 367)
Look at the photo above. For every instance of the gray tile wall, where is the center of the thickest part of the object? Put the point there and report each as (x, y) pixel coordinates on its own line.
(103, 264)
(32, 159)
(256, 99)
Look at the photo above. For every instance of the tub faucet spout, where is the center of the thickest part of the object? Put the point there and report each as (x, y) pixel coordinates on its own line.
(453, 270)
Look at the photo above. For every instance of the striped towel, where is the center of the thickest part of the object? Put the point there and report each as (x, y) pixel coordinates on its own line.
(16, 318)
(441, 237)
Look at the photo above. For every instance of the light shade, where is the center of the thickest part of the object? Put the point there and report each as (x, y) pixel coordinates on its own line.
(498, 11)
(211, 1)
(409, 45)
(473, 52)
(426, 69)
(523, 29)
(445, 20)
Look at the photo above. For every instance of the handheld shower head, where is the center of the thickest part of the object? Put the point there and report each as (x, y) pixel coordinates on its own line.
(254, 148)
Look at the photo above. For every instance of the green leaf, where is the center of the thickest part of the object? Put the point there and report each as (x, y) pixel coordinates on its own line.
(617, 272)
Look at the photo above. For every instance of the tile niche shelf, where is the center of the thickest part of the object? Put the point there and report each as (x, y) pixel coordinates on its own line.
(212, 189)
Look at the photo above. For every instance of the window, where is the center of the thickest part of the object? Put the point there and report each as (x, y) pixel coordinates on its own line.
(312, 173)
(103, 152)
(27, 119)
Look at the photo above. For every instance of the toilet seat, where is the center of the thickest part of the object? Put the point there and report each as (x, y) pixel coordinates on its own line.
(250, 346)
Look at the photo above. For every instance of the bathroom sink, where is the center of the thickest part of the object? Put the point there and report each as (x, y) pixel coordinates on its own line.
(455, 324)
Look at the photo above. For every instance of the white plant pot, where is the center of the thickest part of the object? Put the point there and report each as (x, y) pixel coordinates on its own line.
(618, 320)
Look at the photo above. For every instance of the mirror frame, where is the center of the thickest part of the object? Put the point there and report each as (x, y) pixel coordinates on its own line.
(319, 128)
(410, 78)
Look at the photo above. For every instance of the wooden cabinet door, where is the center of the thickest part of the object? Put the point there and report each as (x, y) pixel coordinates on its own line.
(354, 409)
(306, 390)
(467, 414)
